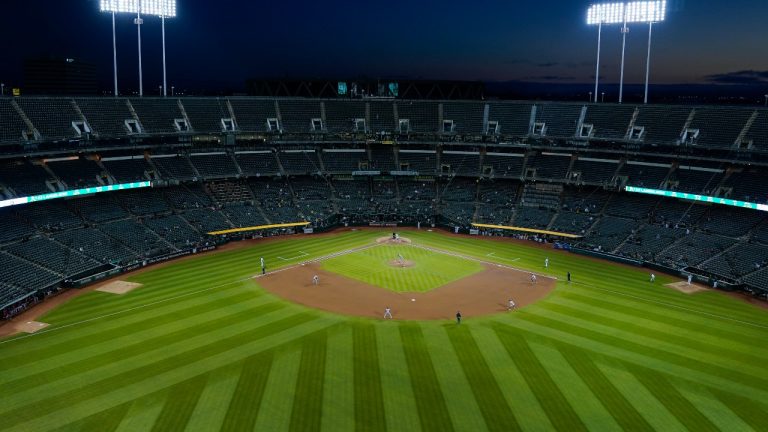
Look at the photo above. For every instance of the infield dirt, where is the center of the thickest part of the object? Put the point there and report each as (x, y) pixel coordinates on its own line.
(484, 293)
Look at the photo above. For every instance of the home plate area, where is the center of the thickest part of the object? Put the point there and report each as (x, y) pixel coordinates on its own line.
(483, 293)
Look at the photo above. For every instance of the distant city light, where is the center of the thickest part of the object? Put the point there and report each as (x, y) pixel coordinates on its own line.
(166, 8)
(633, 12)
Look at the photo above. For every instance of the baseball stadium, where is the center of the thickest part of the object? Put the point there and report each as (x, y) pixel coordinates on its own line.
(422, 261)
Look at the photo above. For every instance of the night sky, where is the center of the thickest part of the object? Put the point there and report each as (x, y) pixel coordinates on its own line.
(219, 44)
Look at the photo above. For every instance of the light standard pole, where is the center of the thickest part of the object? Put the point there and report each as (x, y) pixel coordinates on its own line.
(590, 97)
(165, 82)
(624, 31)
(172, 90)
(597, 69)
(648, 62)
(114, 52)
(766, 100)
(2, 89)
(138, 21)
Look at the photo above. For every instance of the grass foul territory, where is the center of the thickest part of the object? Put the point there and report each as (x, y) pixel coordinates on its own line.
(200, 346)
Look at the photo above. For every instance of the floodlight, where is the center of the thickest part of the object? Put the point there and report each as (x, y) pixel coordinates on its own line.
(161, 8)
(649, 12)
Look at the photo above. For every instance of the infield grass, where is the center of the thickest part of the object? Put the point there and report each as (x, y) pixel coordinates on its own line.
(202, 347)
(378, 266)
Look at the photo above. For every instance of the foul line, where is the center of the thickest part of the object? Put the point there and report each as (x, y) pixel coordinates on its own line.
(303, 254)
(470, 258)
(493, 255)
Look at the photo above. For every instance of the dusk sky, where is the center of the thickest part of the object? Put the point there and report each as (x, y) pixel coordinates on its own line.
(222, 43)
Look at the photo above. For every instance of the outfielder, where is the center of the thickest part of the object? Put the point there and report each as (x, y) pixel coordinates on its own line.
(263, 266)
(546, 262)
(653, 277)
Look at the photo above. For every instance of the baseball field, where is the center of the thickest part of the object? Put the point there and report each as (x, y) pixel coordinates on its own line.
(199, 345)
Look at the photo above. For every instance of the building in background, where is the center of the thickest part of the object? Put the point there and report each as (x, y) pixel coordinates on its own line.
(59, 76)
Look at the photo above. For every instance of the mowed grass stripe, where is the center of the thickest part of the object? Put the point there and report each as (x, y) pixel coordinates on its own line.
(551, 399)
(104, 421)
(498, 416)
(214, 402)
(713, 409)
(369, 400)
(652, 410)
(706, 354)
(687, 335)
(188, 276)
(338, 410)
(135, 344)
(667, 394)
(43, 345)
(135, 353)
(750, 411)
(430, 401)
(462, 406)
(399, 401)
(52, 400)
(277, 401)
(675, 317)
(116, 395)
(511, 382)
(245, 402)
(635, 343)
(179, 407)
(601, 387)
(585, 404)
(308, 397)
(142, 413)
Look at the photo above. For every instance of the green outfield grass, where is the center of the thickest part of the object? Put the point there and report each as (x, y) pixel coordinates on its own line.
(430, 269)
(202, 347)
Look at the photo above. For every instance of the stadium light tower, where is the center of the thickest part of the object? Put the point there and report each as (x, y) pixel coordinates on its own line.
(626, 13)
(161, 8)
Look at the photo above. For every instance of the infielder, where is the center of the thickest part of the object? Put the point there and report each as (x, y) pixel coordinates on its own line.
(533, 278)
(315, 280)
(511, 304)
(387, 313)
(458, 317)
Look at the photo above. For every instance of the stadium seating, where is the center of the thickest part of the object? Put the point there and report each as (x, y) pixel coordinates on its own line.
(297, 115)
(560, 120)
(106, 116)
(158, 116)
(78, 173)
(512, 118)
(257, 163)
(467, 117)
(52, 117)
(214, 165)
(205, 115)
(662, 124)
(201, 184)
(252, 114)
(423, 162)
(12, 126)
(720, 127)
(128, 169)
(300, 162)
(609, 121)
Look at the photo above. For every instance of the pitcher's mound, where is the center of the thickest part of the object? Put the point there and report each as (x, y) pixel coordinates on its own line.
(119, 287)
(31, 326)
(683, 287)
(398, 263)
(390, 240)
